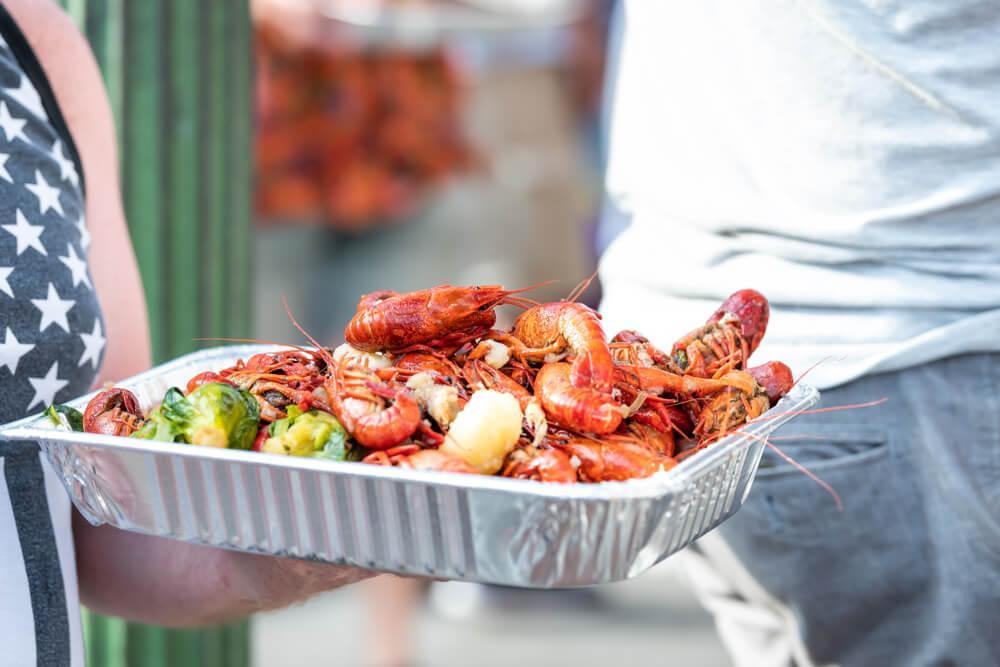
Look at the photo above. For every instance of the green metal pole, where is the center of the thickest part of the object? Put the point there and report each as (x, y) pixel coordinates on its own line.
(178, 73)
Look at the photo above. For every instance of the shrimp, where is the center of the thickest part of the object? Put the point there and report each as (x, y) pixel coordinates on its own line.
(566, 327)
(438, 317)
(581, 408)
(357, 398)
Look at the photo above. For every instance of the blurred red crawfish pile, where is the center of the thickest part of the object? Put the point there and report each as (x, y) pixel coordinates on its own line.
(351, 135)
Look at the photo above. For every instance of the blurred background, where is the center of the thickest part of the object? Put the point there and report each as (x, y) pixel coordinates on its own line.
(316, 150)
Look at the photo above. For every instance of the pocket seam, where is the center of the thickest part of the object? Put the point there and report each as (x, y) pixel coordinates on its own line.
(879, 438)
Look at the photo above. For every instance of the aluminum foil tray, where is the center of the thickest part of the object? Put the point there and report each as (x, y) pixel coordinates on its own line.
(454, 526)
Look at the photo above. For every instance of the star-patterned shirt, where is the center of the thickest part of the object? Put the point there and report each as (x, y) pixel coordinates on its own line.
(51, 346)
(53, 336)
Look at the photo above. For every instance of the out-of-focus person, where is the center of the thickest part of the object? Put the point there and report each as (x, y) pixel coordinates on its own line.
(844, 159)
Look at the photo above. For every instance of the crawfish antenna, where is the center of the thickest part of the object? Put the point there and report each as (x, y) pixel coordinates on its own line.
(219, 339)
(801, 468)
(581, 287)
(522, 302)
(327, 357)
(832, 408)
(808, 473)
(813, 367)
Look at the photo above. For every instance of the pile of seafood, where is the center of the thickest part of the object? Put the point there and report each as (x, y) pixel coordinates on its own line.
(425, 381)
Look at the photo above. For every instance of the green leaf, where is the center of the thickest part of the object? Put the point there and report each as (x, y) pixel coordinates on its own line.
(336, 447)
(65, 417)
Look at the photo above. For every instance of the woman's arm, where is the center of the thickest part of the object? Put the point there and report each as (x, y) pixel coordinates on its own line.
(139, 577)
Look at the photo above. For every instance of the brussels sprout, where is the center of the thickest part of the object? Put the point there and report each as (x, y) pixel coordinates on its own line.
(65, 418)
(222, 416)
(213, 415)
(165, 422)
(314, 433)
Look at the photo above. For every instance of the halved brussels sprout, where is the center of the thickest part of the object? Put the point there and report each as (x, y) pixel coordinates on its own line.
(213, 415)
(314, 433)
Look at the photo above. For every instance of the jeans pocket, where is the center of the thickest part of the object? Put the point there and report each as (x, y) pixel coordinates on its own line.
(852, 459)
(834, 567)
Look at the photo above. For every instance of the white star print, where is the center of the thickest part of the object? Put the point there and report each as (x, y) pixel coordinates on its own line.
(11, 351)
(12, 127)
(47, 387)
(93, 343)
(81, 224)
(28, 236)
(67, 170)
(4, 174)
(53, 310)
(48, 196)
(5, 272)
(26, 94)
(76, 266)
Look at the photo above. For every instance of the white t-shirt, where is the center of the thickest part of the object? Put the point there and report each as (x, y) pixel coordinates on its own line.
(842, 157)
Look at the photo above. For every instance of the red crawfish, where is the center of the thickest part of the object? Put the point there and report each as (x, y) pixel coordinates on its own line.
(439, 317)
(412, 457)
(113, 412)
(566, 328)
(727, 339)
(378, 415)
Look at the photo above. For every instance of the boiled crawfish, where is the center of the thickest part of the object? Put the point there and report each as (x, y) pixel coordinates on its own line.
(727, 339)
(441, 317)
(113, 412)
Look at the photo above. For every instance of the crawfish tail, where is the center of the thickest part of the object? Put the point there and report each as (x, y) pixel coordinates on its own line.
(580, 408)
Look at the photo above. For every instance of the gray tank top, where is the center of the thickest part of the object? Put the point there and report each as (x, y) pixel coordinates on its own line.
(841, 157)
(51, 345)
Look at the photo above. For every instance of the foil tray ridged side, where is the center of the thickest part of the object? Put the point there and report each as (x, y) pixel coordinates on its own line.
(461, 527)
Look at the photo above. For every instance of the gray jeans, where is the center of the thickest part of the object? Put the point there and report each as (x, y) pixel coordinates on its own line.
(909, 572)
